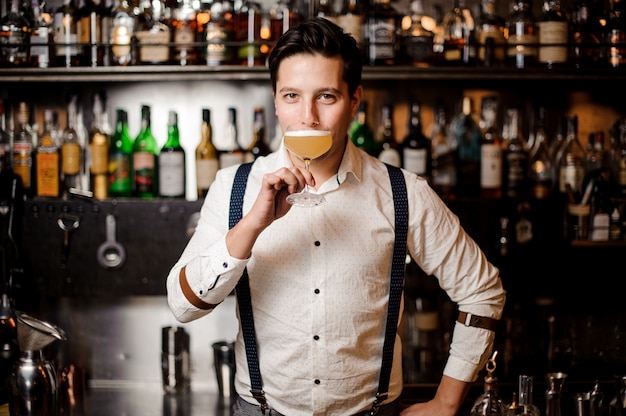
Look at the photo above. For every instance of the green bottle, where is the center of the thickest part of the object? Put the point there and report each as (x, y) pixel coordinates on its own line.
(172, 162)
(120, 158)
(145, 154)
(361, 133)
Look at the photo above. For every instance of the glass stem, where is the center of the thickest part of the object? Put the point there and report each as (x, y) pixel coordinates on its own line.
(307, 162)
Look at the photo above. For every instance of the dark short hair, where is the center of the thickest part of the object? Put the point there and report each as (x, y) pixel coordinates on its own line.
(319, 35)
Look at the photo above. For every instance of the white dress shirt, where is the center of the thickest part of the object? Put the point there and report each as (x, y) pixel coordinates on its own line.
(319, 283)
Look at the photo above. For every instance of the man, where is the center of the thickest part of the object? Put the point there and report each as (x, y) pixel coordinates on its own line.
(319, 277)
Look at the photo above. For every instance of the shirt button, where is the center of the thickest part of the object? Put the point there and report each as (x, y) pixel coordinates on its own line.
(317, 244)
(224, 265)
(316, 291)
(316, 337)
(317, 381)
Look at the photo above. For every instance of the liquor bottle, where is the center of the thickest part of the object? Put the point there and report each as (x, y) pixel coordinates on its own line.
(22, 149)
(459, 38)
(350, 19)
(417, 41)
(522, 35)
(541, 169)
(515, 158)
(120, 158)
(5, 139)
(362, 134)
(491, 26)
(572, 164)
(207, 162)
(596, 157)
(258, 145)
(586, 39)
(248, 22)
(553, 35)
(443, 157)
(490, 150)
(72, 157)
(123, 18)
(41, 39)
(218, 34)
(489, 403)
(145, 153)
(89, 29)
(390, 152)
(98, 152)
(283, 15)
(172, 177)
(230, 153)
(14, 37)
(416, 147)
(152, 33)
(467, 135)
(184, 32)
(324, 9)
(381, 28)
(48, 159)
(66, 35)
(616, 35)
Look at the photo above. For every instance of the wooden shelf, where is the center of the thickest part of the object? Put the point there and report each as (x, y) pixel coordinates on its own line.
(164, 73)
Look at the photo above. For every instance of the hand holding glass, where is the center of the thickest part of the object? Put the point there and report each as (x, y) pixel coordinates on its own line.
(307, 144)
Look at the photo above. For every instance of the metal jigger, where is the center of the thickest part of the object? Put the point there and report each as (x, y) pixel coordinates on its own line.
(553, 393)
(34, 383)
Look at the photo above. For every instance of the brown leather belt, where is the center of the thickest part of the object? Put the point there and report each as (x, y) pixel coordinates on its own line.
(483, 322)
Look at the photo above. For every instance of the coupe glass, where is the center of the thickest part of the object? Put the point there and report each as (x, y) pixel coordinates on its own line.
(307, 144)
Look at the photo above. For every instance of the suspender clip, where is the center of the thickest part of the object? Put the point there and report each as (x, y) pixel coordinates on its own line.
(380, 398)
(259, 395)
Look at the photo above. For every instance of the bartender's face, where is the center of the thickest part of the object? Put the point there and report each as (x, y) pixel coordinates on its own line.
(310, 93)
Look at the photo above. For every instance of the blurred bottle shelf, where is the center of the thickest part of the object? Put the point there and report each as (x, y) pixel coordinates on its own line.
(260, 73)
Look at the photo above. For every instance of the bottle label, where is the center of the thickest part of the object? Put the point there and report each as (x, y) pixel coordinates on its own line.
(159, 52)
(120, 177)
(99, 154)
(415, 160)
(143, 167)
(172, 174)
(217, 38)
(70, 158)
(556, 34)
(490, 166)
(47, 174)
(205, 172)
(382, 39)
(573, 175)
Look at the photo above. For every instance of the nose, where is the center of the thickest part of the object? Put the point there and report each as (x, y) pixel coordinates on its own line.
(311, 117)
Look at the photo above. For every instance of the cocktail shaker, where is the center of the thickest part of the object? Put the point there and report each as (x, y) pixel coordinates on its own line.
(175, 362)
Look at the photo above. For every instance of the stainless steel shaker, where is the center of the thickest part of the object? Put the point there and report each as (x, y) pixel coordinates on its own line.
(34, 383)
(224, 364)
(175, 361)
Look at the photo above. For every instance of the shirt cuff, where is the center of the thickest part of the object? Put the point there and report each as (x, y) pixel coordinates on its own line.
(469, 352)
(219, 273)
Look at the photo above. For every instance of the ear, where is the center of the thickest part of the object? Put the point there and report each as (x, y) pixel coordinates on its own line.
(355, 100)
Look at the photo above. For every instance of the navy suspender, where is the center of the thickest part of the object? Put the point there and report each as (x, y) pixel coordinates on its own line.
(244, 303)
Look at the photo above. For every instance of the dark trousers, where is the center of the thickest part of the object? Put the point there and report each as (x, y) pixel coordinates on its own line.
(243, 408)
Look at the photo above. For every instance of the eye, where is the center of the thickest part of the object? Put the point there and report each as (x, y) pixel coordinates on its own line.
(328, 98)
(290, 96)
